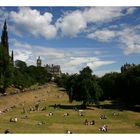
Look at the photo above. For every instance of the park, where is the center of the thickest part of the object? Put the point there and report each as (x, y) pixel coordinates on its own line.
(45, 99)
(38, 120)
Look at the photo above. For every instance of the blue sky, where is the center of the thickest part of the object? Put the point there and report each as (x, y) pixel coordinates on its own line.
(103, 38)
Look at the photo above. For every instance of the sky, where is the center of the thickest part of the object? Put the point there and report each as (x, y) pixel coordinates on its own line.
(103, 38)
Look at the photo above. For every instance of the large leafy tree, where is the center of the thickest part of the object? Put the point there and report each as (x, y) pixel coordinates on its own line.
(84, 87)
(109, 84)
(130, 85)
(21, 65)
(39, 74)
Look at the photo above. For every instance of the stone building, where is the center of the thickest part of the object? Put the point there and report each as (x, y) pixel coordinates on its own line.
(55, 70)
(4, 46)
(39, 62)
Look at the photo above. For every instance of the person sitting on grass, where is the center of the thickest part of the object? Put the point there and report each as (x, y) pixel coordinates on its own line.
(68, 132)
(103, 128)
(7, 131)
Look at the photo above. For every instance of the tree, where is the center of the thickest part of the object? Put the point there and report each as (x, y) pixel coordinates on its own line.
(126, 67)
(4, 69)
(20, 64)
(61, 81)
(109, 84)
(39, 74)
(130, 85)
(84, 87)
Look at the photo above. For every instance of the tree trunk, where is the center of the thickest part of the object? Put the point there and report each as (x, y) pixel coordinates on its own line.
(84, 105)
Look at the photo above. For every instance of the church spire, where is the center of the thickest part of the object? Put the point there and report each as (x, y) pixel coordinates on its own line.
(4, 38)
(12, 57)
(5, 25)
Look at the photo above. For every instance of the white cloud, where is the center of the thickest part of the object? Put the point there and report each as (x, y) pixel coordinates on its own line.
(74, 22)
(31, 21)
(77, 63)
(22, 54)
(102, 35)
(130, 38)
(102, 14)
(130, 10)
(66, 58)
(94, 65)
(29, 53)
(19, 45)
(3, 13)
(48, 52)
(127, 36)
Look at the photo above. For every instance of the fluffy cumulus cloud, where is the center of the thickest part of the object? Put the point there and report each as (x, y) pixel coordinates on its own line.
(74, 22)
(31, 21)
(102, 35)
(102, 14)
(71, 23)
(130, 39)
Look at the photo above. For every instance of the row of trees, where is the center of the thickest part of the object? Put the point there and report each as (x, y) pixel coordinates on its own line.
(124, 86)
(88, 88)
(22, 76)
(29, 75)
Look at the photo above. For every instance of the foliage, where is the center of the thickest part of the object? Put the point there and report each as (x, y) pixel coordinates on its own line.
(21, 76)
(21, 65)
(124, 86)
(109, 85)
(4, 69)
(81, 87)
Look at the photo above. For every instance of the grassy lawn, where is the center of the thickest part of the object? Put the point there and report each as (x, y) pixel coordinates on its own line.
(47, 97)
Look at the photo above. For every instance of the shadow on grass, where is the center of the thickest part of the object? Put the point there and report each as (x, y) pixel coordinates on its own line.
(62, 89)
(67, 107)
(113, 105)
(119, 106)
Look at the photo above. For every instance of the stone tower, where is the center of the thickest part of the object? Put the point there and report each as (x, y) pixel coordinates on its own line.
(5, 45)
(4, 39)
(39, 61)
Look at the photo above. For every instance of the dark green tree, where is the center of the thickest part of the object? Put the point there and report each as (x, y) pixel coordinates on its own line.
(110, 84)
(21, 65)
(4, 69)
(83, 87)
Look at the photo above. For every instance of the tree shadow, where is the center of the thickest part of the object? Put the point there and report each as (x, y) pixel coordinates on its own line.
(119, 106)
(116, 105)
(69, 107)
(62, 89)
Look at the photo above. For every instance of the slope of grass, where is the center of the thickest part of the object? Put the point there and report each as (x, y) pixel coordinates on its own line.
(47, 97)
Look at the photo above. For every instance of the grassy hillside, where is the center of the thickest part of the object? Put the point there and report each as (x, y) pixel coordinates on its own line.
(39, 122)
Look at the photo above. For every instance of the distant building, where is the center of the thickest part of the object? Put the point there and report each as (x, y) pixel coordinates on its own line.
(54, 70)
(39, 61)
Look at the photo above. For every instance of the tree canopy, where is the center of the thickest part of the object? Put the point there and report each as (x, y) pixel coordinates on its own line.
(82, 87)
(123, 87)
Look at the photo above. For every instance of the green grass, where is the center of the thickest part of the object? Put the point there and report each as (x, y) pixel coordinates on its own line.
(124, 123)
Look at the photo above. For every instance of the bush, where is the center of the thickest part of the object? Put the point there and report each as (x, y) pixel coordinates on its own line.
(137, 124)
